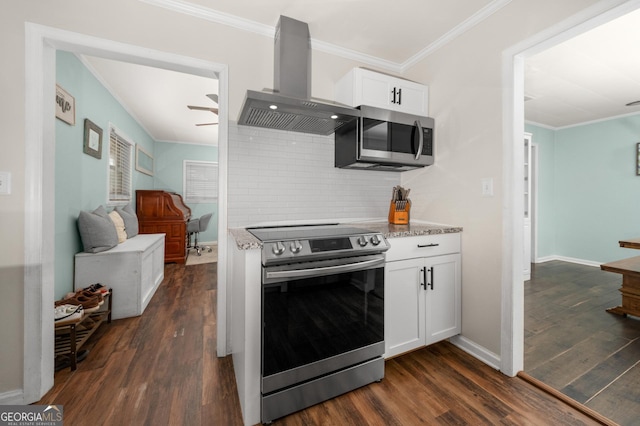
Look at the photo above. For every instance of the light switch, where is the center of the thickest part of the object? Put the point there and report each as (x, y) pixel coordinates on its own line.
(487, 187)
(5, 183)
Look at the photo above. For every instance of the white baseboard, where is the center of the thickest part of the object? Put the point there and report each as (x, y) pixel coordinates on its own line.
(477, 351)
(13, 397)
(568, 259)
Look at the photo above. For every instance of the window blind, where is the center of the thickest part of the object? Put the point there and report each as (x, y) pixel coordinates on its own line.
(120, 160)
(200, 181)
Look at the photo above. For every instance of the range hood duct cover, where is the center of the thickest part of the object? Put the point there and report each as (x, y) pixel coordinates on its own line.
(296, 110)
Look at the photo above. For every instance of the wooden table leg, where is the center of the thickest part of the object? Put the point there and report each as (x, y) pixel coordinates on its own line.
(630, 291)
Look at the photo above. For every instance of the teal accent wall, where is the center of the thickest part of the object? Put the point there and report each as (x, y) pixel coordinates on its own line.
(589, 193)
(169, 160)
(80, 179)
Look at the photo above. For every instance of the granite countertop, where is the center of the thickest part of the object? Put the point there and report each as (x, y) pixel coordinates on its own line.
(246, 241)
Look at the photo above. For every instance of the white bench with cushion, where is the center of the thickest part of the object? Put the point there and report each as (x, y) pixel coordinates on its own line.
(132, 265)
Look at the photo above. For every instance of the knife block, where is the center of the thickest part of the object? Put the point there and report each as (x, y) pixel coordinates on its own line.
(399, 217)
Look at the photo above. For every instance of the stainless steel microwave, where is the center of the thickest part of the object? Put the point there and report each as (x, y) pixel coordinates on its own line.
(385, 140)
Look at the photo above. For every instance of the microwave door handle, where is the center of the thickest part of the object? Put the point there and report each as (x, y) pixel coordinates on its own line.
(360, 137)
(420, 139)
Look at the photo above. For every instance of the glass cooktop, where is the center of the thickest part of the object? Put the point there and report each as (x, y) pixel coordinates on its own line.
(305, 232)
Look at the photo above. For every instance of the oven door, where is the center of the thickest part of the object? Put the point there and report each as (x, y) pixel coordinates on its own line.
(320, 317)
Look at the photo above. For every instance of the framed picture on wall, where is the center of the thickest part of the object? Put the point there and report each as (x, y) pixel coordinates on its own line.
(92, 139)
(144, 161)
(65, 106)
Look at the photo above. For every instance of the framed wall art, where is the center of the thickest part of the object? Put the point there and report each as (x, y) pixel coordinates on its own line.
(144, 161)
(92, 139)
(65, 106)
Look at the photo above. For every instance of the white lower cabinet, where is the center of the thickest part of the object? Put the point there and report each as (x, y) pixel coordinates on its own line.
(422, 294)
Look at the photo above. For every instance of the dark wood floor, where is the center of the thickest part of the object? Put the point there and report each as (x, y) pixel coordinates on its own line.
(575, 346)
(161, 369)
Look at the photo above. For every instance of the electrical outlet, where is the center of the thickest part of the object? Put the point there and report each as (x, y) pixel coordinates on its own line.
(5, 183)
(487, 187)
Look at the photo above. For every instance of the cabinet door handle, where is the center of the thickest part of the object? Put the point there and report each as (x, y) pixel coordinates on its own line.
(424, 278)
(399, 96)
(431, 272)
(393, 100)
(428, 245)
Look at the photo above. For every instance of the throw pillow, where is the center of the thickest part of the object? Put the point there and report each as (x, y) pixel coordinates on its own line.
(119, 224)
(97, 231)
(130, 220)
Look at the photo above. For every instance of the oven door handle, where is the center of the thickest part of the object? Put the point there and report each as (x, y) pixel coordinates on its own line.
(326, 270)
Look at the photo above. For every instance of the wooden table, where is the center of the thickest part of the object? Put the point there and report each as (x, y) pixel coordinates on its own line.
(630, 270)
(633, 243)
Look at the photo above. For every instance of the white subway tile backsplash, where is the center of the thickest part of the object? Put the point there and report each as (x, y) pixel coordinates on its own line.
(277, 176)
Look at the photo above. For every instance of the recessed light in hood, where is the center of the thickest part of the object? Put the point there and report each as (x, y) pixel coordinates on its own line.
(289, 106)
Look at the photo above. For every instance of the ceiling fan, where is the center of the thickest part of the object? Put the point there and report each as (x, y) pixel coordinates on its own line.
(214, 98)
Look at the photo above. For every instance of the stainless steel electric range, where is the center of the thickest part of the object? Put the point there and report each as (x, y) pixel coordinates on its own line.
(322, 314)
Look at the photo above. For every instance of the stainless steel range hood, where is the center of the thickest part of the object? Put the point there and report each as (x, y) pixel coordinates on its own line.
(290, 106)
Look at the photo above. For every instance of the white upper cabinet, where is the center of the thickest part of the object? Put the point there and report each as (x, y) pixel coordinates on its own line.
(365, 87)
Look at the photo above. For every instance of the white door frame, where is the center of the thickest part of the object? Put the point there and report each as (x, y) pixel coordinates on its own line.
(533, 214)
(40, 59)
(512, 328)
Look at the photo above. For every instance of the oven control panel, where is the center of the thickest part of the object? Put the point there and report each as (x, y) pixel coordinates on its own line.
(322, 248)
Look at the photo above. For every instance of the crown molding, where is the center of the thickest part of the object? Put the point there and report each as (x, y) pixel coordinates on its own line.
(233, 21)
(455, 32)
(582, 123)
(187, 8)
(212, 15)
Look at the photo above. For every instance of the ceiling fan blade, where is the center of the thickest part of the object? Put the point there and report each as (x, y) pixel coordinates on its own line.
(207, 124)
(213, 97)
(201, 108)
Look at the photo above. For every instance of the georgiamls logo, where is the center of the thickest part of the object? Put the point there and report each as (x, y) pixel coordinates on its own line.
(52, 407)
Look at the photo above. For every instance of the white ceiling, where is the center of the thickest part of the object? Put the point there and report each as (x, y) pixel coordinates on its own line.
(158, 100)
(587, 78)
(590, 77)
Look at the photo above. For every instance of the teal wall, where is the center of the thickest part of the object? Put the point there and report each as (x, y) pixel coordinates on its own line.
(169, 158)
(589, 193)
(80, 179)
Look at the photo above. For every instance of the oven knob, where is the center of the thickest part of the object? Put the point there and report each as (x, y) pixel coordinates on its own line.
(296, 247)
(375, 240)
(278, 248)
(362, 241)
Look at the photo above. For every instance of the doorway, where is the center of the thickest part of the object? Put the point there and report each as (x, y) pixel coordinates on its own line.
(514, 59)
(147, 108)
(41, 45)
(512, 336)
